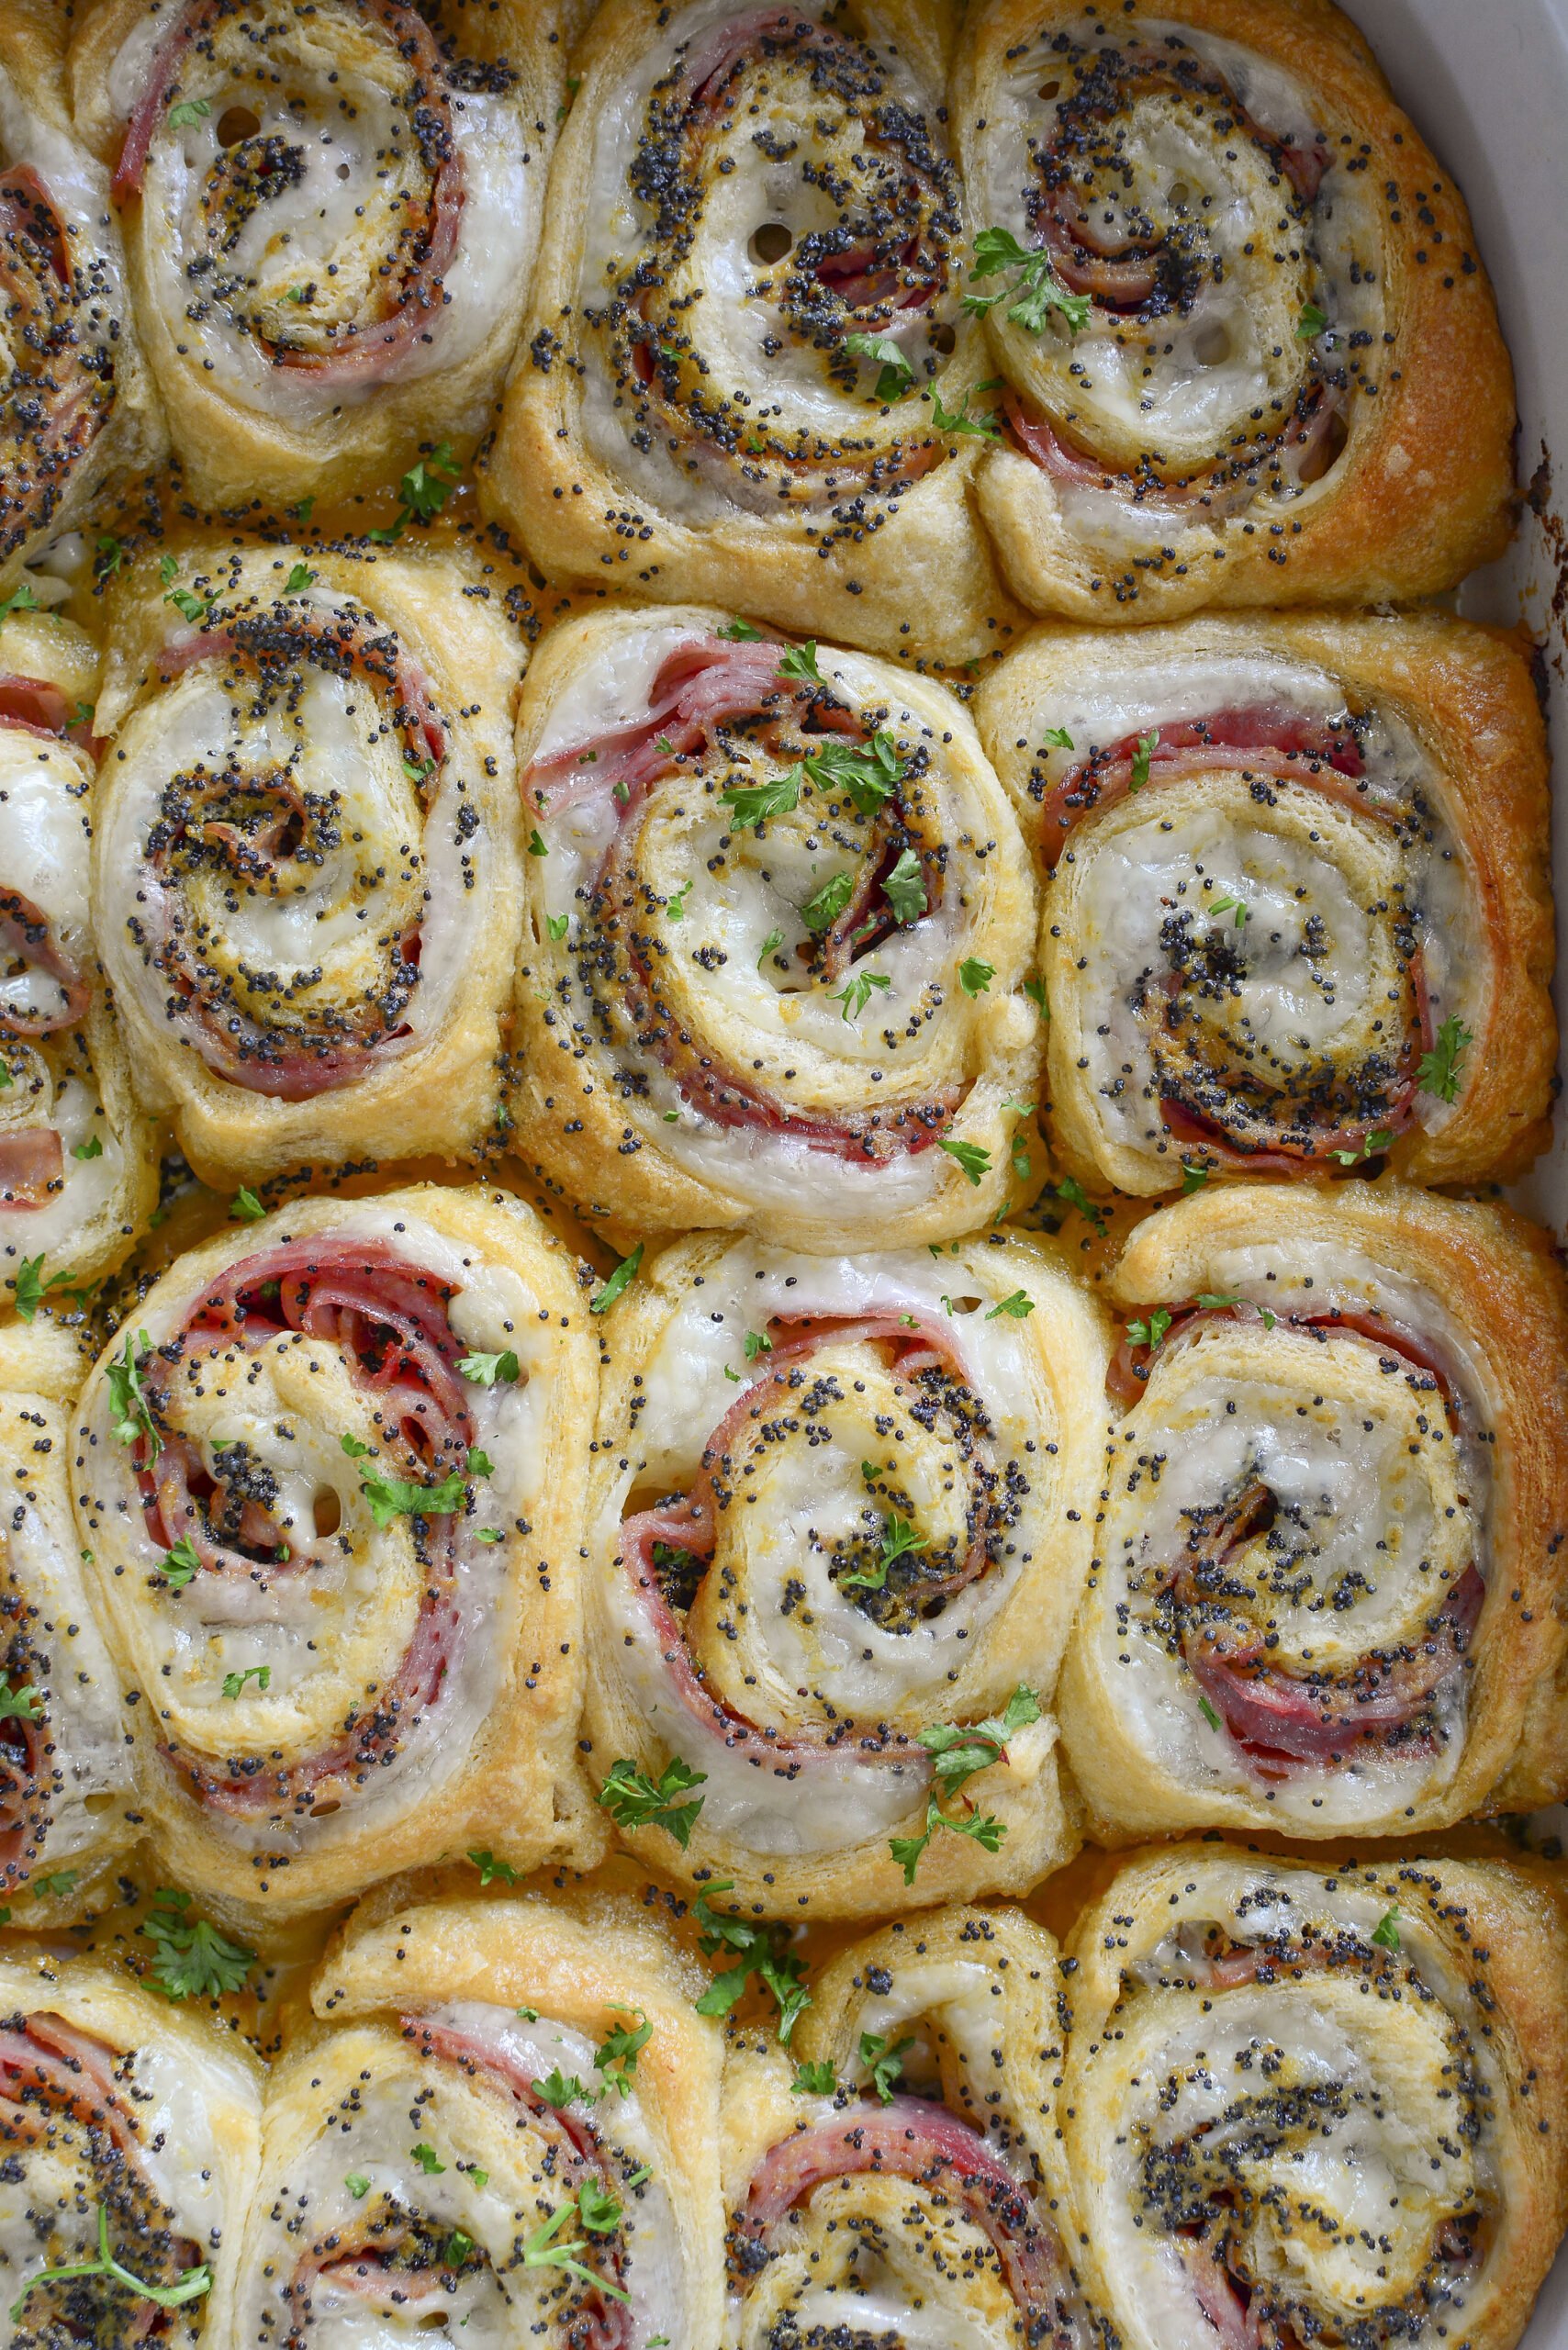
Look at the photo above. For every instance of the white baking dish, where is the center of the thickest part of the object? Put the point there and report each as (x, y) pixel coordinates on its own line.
(1486, 82)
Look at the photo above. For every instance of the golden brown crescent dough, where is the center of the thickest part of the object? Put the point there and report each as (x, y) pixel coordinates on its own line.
(1249, 352)
(505, 2120)
(330, 1477)
(840, 1514)
(305, 853)
(331, 215)
(1308, 2105)
(1327, 1594)
(1297, 908)
(748, 348)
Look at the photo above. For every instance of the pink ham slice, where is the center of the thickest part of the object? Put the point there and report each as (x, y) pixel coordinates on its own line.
(924, 2143)
(32, 1168)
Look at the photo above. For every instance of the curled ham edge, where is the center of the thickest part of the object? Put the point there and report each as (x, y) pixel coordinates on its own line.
(355, 2261)
(327, 1287)
(1279, 1722)
(691, 1525)
(50, 2067)
(297, 1072)
(915, 2140)
(79, 401)
(701, 683)
(363, 355)
(1265, 739)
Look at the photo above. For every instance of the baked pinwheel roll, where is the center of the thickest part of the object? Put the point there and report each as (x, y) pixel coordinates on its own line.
(1298, 910)
(748, 372)
(1249, 352)
(75, 405)
(65, 1767)
(78, 1164)
(840, 1516)
(131, 2130)
(306, 861)
(510, 2128)
(778, 926)
(889, 2184)
(330, 220)
(330, 1477)
(1329, 1588)
(1302, 2108)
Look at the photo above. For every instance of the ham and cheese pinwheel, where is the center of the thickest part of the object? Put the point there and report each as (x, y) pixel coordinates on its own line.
(78, 1169)
(1297, 912)
(330, 1477)
(130, 2131)
(65, 1769)
(1302, 2108)
(504, 2125)
(899, 2188)
(75, 404)
(839, 1524)
(747, 373)
(1329, 1592)
(1249, 355)
(331, 214)
(306, 868)
(778, 933)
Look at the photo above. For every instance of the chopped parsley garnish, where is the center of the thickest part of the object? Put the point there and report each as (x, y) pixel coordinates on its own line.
(558, 2088)
(1020, 1305)
(21, 599)
(975, 977)
(1441, 1068)
(358, 2184)
(542, 2250)
(127, 1397)
(897, 373)
(422, 492)
(1070, 1189)
(180, 1562)
(620, 1280)
(492, 1870)
(391, 1497)
(188, 112)
(870, 772)
(822, 909)
(91, 1148)
(616, 2058)
(899, 1538)
(191, 2287)
(233, 1682)
(1057, 738)
(799, 662)
(957, 1752)
(740, 632)
(429, 2161)
(1150, 1332)
(485, 1369)
(193, 1959)
(246, 1208)
(557, 926)
(858, 995)
(190, 605)
(774, 938)
(1372, 1144)
(31, 1287)
(972, 1157)
(1311, 323)
(1192, 1178)
(1385, 1934)
(959, 419)
(1035, 293)
(760, 1950)
(904, 889)
(19, 1705)
(754, 803)
(300, 578)
(1237, 906)
(756, 1342)
(886, 2064)
(1143, 751)
(1208, 1713)
(632, 1799)
(815, 2080)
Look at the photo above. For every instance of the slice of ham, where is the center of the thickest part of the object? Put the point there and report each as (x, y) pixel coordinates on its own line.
(1283, 1722)
(32, 1166)
(1302, 448)
(33, 706)
(371, 351)
(699, 685)
(1268, 739)
(922, 2143)
(1131, 1365)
